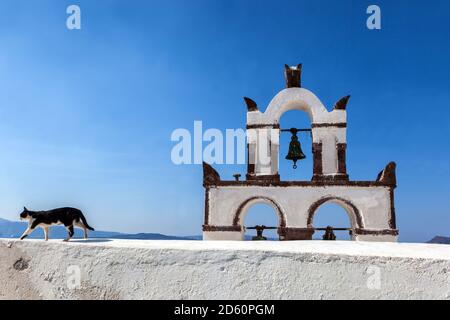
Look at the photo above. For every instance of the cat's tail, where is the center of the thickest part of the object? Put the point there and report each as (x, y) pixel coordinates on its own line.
(85, 223)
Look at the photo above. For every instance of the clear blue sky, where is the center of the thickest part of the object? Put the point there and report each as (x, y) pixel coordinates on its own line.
(86, 116)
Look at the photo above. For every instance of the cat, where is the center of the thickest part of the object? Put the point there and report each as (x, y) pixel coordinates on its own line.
(69, 217)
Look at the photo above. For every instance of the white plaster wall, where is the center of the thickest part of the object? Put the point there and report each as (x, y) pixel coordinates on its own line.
(139, 269)
(329, 156)
(263, 165)
(321, 133)
(221, 235)
(378, 238)
(372, 202)
(263, 146)
(329, 137)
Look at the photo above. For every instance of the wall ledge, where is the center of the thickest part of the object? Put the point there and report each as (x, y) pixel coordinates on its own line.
(143, 269)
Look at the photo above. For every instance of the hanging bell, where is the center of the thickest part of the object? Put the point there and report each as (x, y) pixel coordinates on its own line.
(295, 152)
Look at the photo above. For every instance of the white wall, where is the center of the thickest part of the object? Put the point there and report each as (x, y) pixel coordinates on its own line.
(224, 270)
(372, 202)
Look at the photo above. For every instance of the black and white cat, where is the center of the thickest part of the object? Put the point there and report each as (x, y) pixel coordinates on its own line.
(69, 217)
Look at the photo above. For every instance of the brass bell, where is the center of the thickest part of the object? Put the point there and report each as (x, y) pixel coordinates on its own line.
(295, 152)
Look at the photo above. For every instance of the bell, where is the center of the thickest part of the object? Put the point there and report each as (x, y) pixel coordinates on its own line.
(329, 234)
(295, 152)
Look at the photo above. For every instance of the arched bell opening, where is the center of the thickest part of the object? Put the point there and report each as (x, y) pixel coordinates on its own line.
(260, 218)
(334, 218)
(261, 223)
(295, 149)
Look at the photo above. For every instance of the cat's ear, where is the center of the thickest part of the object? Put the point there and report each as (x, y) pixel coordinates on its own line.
(24, 208)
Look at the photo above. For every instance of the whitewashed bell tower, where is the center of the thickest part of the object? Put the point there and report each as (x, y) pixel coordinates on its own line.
(328, 132)
(369, 204)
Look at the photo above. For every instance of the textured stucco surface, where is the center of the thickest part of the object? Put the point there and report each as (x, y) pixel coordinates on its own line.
(373, 204)
(133, 269)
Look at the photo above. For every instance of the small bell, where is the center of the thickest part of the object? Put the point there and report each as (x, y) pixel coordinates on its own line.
(329, 234)
(295, 152)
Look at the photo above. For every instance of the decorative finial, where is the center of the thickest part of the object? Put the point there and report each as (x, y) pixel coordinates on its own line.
(388, 175)
(293, 76)
(251, 105)
(342, 103)
(210, 175)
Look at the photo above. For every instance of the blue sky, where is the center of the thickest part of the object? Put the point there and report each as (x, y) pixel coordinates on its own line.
(86, 115)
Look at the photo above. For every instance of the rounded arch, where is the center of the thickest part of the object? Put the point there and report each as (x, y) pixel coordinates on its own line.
(352, 211)
(244, 206)
(296, 99)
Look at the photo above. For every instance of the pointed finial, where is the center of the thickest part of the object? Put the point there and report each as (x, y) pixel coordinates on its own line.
(342, 103)
(210, 175)
(293, 76)
(251, 105)
(388, 175)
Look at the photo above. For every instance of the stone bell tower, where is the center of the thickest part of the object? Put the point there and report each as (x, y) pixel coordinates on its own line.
(369, 204)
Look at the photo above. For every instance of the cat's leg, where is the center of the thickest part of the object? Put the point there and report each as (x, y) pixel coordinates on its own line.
(46, 233)
(70, 231)
(26, 233)
(82, 226)
(32, 224)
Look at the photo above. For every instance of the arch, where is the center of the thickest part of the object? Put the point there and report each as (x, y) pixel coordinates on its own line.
(352, 211)
(296, 99)
(244, 206)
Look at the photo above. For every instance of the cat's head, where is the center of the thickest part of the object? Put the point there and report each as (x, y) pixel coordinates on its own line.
(25, 214)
